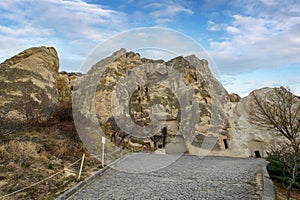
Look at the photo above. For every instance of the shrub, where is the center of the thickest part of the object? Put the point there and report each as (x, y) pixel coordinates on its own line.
(66, 149)
(278, 171)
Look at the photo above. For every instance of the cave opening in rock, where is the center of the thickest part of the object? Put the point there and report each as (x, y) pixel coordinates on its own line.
(257, 154)
(164, 135)
(225, 143)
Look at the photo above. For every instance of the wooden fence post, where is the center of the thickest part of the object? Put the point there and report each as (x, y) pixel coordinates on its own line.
(81, 166)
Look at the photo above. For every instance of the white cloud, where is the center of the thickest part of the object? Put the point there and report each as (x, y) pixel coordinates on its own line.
(212, 26)
(27, 29)
(170, 11)
(265, 39)
(223, 46)
(233, 30)
(162, 20)
(243, 84)
(269, 2)
(167, 10)
(252, 29)
(25, 23)
(261, 38)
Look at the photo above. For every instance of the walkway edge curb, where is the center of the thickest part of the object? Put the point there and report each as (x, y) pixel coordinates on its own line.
(269, 189)
(81, 184)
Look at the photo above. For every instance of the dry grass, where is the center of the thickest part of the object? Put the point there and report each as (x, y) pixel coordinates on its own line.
(28, 157)
(281, 192)
(21, 152)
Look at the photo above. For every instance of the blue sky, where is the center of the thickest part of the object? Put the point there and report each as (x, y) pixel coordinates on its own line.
(254, 43)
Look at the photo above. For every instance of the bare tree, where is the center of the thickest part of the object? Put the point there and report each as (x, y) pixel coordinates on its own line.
(280, 111)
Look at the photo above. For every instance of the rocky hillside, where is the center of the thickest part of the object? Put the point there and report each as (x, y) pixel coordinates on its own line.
(209, 101)
(139, 103)
(128, 94)
(28, 83)
(38, 139)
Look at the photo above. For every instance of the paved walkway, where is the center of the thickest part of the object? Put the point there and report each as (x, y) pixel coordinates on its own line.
(189, 177)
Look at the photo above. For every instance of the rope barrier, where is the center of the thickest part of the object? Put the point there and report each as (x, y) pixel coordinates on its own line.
(34, 184)
(53, 175)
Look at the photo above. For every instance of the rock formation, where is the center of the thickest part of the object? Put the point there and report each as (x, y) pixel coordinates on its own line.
(139, 103)
(209, 97)
(234, 98)
(65, 85)
(220, 124)
(28, 83)
(249, 139)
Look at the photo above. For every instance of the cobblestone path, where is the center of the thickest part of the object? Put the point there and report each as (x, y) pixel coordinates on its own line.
(189, 177)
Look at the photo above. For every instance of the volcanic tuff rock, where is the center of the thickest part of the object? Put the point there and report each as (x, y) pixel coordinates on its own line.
(65, 85)
(223, 122)
(248, 137)
(234, 97)
(28, 82)
(210, 96)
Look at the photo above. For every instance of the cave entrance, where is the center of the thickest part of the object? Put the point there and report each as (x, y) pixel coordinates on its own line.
(164, 136)
(160, 141)
(225, 143)
(257, 154)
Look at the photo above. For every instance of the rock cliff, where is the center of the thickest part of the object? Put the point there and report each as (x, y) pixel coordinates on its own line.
(28, 83)
(127, 94)
(146, 91)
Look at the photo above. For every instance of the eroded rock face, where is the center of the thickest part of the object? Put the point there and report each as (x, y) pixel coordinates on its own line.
(28, 83)
(65, 85)
(209, 95)
(248, 138)
(234, 98)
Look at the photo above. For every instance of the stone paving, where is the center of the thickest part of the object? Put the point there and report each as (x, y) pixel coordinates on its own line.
(189, 177)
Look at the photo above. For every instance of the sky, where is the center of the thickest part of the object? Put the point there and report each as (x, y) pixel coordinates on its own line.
(253, 43)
